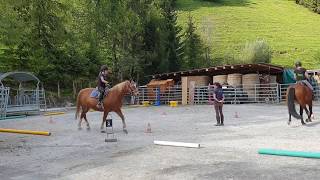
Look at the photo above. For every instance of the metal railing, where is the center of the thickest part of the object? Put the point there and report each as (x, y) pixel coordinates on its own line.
(4, 95)
(164, 96)
(25, 97)
(24, 101)
(257, 93)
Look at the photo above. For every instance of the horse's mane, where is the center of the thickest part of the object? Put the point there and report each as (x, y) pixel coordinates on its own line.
(119, 87)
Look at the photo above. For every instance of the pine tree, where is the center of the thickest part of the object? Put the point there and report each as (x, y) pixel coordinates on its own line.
(193, 48)
(173, 45)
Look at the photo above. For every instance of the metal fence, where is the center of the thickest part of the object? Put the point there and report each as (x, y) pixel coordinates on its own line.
(164, 96)
(4, 95)
(257, 93)
(24, 101)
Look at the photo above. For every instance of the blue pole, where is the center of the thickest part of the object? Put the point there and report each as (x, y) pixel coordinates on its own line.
(290, 153)
(157, 97)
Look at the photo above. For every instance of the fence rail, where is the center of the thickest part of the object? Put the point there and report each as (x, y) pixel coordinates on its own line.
(257, 93)
(164, 96)
(4, 95)
(19, 101)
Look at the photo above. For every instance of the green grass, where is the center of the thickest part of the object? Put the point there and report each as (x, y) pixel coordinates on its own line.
(292, 31)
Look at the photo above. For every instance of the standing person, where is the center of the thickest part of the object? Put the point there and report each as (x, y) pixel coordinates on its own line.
(102, 84)
(301, 75)
(218, 99)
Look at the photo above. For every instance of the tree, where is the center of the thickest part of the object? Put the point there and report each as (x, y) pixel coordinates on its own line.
(173, 45)
(193, 48)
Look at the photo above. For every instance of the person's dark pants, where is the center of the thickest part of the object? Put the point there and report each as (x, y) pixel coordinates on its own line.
(103, 91)
(101, 94)
(219, 115)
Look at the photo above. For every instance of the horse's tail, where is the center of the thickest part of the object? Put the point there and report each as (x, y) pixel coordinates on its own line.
(78, 106)
(290, 103)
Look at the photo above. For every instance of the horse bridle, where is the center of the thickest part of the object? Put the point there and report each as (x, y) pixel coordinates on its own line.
(131, 90)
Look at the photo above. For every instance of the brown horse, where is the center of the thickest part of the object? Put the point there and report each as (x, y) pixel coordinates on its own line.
(303, 96)
(111, 103)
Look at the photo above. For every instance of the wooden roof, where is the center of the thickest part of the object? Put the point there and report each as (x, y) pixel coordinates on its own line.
(225, 69)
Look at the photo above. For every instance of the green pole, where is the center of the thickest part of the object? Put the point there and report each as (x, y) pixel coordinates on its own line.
(290, 153)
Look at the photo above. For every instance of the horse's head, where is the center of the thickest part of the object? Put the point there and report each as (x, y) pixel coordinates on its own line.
(132, 88)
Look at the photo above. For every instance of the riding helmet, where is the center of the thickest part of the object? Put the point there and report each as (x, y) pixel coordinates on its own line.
(103, 68)
(298, 63)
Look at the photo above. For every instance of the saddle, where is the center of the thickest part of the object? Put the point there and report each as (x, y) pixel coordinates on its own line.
(95, 93)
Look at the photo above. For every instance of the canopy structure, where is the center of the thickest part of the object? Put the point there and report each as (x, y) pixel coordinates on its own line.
(19, 76)
(224, 69)
(22, 100)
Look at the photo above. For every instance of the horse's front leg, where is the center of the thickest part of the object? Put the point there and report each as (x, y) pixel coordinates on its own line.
(104, 119)
(119, 112)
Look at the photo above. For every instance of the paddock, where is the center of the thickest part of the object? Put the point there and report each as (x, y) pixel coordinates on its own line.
(228, 152)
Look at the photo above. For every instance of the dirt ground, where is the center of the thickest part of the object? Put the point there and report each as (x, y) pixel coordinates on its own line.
(228, 152)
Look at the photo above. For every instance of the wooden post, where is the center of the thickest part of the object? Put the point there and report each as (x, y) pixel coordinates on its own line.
(184, 85)
(191, 92)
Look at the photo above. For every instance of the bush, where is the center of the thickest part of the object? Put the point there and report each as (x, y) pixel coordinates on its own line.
(256, 52)
(314, 5)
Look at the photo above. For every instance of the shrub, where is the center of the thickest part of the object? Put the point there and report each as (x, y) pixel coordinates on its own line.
(256, 52)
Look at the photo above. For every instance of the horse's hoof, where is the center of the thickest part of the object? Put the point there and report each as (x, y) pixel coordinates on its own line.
(103, 131)
(303, 123)
(125, 131)
(88, 128)
(79, 128)
(289, 122)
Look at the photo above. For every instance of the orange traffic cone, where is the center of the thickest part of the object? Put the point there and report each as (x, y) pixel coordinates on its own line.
(148, 129)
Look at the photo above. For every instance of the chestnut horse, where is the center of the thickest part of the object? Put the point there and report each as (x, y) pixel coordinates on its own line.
(111, 103)
(303, 96)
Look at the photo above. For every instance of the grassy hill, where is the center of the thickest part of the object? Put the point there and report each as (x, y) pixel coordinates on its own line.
(291, 30)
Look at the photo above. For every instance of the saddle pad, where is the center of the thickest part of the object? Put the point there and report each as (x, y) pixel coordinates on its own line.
(95, 93)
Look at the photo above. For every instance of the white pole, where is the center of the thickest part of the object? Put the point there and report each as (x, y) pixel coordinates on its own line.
(179, 144)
